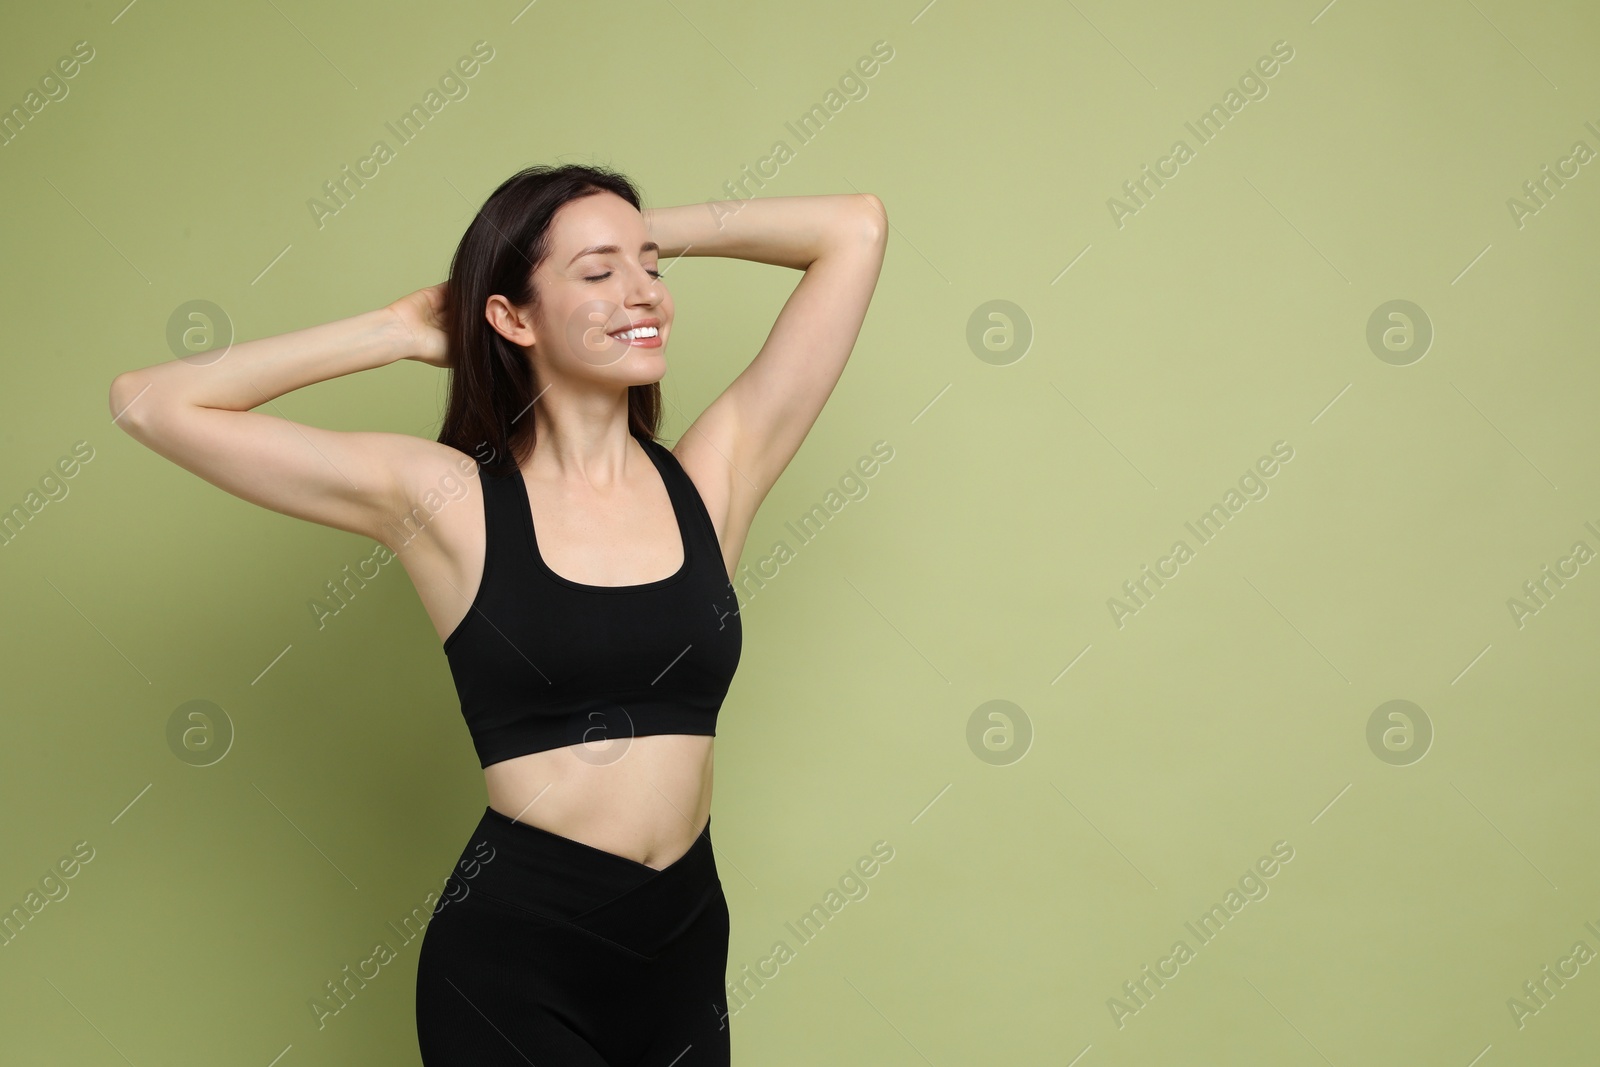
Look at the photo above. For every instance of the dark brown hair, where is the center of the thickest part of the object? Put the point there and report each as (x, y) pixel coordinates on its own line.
(491, 379)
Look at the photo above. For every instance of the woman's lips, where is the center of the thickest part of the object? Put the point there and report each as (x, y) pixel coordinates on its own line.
(640, 342)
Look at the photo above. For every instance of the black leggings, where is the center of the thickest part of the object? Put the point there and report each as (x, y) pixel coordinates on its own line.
(548, 951)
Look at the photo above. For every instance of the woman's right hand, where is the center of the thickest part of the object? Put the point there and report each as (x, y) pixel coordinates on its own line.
(422, 315)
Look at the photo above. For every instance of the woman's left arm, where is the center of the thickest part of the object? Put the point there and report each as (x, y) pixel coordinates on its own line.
(758, 423)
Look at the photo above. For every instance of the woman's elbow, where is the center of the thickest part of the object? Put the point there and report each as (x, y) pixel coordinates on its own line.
(875, 220)
(126, 389)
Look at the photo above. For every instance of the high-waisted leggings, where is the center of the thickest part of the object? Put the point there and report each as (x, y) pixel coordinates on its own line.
(548, 951)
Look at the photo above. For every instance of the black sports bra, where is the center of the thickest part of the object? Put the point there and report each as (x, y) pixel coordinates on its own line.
(541, 662)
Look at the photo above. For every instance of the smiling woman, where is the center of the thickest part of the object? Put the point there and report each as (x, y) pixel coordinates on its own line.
(581, 590)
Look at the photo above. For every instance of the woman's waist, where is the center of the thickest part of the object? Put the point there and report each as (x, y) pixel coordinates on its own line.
(526, 877)
(641, 799)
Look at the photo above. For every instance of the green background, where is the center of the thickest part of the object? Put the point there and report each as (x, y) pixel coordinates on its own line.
(1125, 795)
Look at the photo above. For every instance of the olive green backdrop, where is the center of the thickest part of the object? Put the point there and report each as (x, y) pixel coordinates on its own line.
(1349, 323)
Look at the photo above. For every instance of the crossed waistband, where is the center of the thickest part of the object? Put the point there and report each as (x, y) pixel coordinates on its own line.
(616, 898)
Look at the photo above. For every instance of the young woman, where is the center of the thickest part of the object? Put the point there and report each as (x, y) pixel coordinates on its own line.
(578, 574)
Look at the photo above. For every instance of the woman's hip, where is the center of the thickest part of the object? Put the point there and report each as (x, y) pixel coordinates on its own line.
(547, 881)
(540, 939)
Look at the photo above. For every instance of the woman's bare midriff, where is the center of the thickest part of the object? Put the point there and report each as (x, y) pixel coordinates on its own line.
(643, 798)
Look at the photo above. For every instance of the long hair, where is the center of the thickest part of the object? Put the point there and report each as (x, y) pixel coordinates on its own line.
(492, 387)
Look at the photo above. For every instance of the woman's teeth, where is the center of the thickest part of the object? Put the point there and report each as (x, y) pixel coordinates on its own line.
(643, 331)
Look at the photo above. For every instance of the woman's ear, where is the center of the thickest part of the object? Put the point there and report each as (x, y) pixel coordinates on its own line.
(512, 323)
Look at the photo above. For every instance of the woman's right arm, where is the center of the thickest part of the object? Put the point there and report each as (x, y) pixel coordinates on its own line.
(197, 414)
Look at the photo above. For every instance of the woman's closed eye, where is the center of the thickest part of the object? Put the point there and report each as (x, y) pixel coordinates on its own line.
(607, 274)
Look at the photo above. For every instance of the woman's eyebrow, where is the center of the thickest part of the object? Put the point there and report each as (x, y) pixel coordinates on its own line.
(648, 246)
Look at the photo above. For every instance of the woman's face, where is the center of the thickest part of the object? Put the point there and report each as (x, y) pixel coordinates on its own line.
(600, 278)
